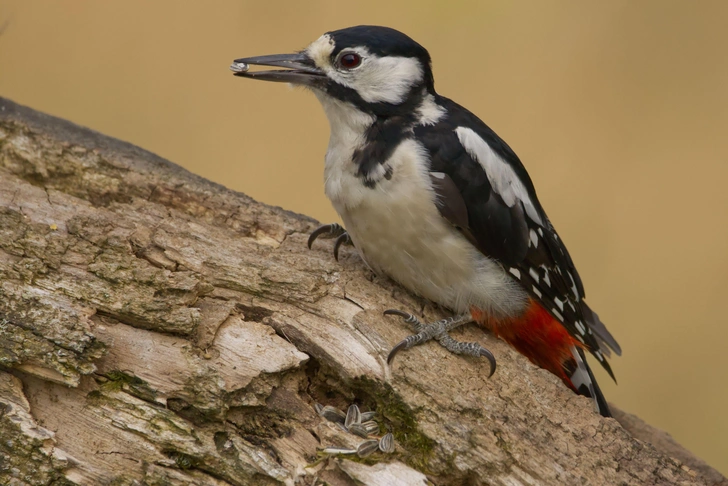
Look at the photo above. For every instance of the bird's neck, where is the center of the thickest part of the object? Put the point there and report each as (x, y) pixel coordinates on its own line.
(361, 143)
(348, 121)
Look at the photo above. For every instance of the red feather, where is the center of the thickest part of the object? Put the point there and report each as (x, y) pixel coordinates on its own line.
(537, 335)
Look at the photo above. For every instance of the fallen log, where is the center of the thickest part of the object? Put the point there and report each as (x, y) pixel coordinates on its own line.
(157, 328)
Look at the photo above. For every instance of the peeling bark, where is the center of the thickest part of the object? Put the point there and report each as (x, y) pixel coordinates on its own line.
(156, 328)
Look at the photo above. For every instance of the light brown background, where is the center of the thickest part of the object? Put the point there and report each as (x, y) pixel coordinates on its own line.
(618, 109)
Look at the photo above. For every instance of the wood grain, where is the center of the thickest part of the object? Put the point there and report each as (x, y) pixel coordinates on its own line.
(156, 328)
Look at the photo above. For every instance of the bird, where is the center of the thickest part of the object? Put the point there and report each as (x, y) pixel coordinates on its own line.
(431, 197)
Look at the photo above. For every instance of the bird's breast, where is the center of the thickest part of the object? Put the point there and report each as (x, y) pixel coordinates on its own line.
(399, 231)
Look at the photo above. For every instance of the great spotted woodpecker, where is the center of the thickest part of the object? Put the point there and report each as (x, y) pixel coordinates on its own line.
(433, 198)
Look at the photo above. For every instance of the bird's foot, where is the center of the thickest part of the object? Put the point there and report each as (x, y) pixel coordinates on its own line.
(439, 331)
(332, 230)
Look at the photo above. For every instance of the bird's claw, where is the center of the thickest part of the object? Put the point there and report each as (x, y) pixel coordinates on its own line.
(342, 239)
(399, 347)
(330, 231)
(491, 359)
(408, 318)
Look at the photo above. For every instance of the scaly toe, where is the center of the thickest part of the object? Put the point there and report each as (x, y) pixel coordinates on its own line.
(408, 318)
(470, 349)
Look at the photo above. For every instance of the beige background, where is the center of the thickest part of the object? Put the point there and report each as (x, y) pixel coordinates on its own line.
(618, 109)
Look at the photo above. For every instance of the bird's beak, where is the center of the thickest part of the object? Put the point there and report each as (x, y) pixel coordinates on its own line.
(299, 69)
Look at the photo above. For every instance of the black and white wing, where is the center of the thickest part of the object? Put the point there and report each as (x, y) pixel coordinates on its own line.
(485, 191)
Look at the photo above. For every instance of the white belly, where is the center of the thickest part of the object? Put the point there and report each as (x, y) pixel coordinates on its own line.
(399, 232)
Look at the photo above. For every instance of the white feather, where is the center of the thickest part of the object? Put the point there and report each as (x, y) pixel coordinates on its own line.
(533, 238)
(581, 377)
(399, 231)
(430, 112)
(500, 174)
(377, 79)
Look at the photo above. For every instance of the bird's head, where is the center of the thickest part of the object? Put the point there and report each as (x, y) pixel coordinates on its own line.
(377, 70)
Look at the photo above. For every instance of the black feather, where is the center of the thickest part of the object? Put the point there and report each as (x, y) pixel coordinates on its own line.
(527, 246)
(382, 138)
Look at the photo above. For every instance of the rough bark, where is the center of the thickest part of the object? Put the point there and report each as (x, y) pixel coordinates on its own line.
(156, 328)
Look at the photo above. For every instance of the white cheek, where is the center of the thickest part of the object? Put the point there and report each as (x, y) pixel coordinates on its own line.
(387, 79)
(379, 79)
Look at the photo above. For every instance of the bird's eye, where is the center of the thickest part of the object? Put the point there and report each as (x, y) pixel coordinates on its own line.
(350, 60)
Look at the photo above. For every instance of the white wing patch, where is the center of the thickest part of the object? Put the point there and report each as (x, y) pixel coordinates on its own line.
(500, 175)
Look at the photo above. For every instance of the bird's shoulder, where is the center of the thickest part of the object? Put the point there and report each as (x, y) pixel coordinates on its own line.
(490, 179)
(441, 138)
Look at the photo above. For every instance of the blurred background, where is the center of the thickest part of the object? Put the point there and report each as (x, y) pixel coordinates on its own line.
(618, 109)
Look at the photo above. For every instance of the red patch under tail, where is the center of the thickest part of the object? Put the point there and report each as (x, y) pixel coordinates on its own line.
(539, 336)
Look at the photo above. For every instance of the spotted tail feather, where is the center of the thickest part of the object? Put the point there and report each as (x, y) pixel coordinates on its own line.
(544, 340)
(583, 381)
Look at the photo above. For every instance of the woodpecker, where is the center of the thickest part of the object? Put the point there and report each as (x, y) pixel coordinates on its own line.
(431, 197)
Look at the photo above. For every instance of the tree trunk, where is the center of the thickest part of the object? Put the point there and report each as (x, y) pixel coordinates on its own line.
(156, 328)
